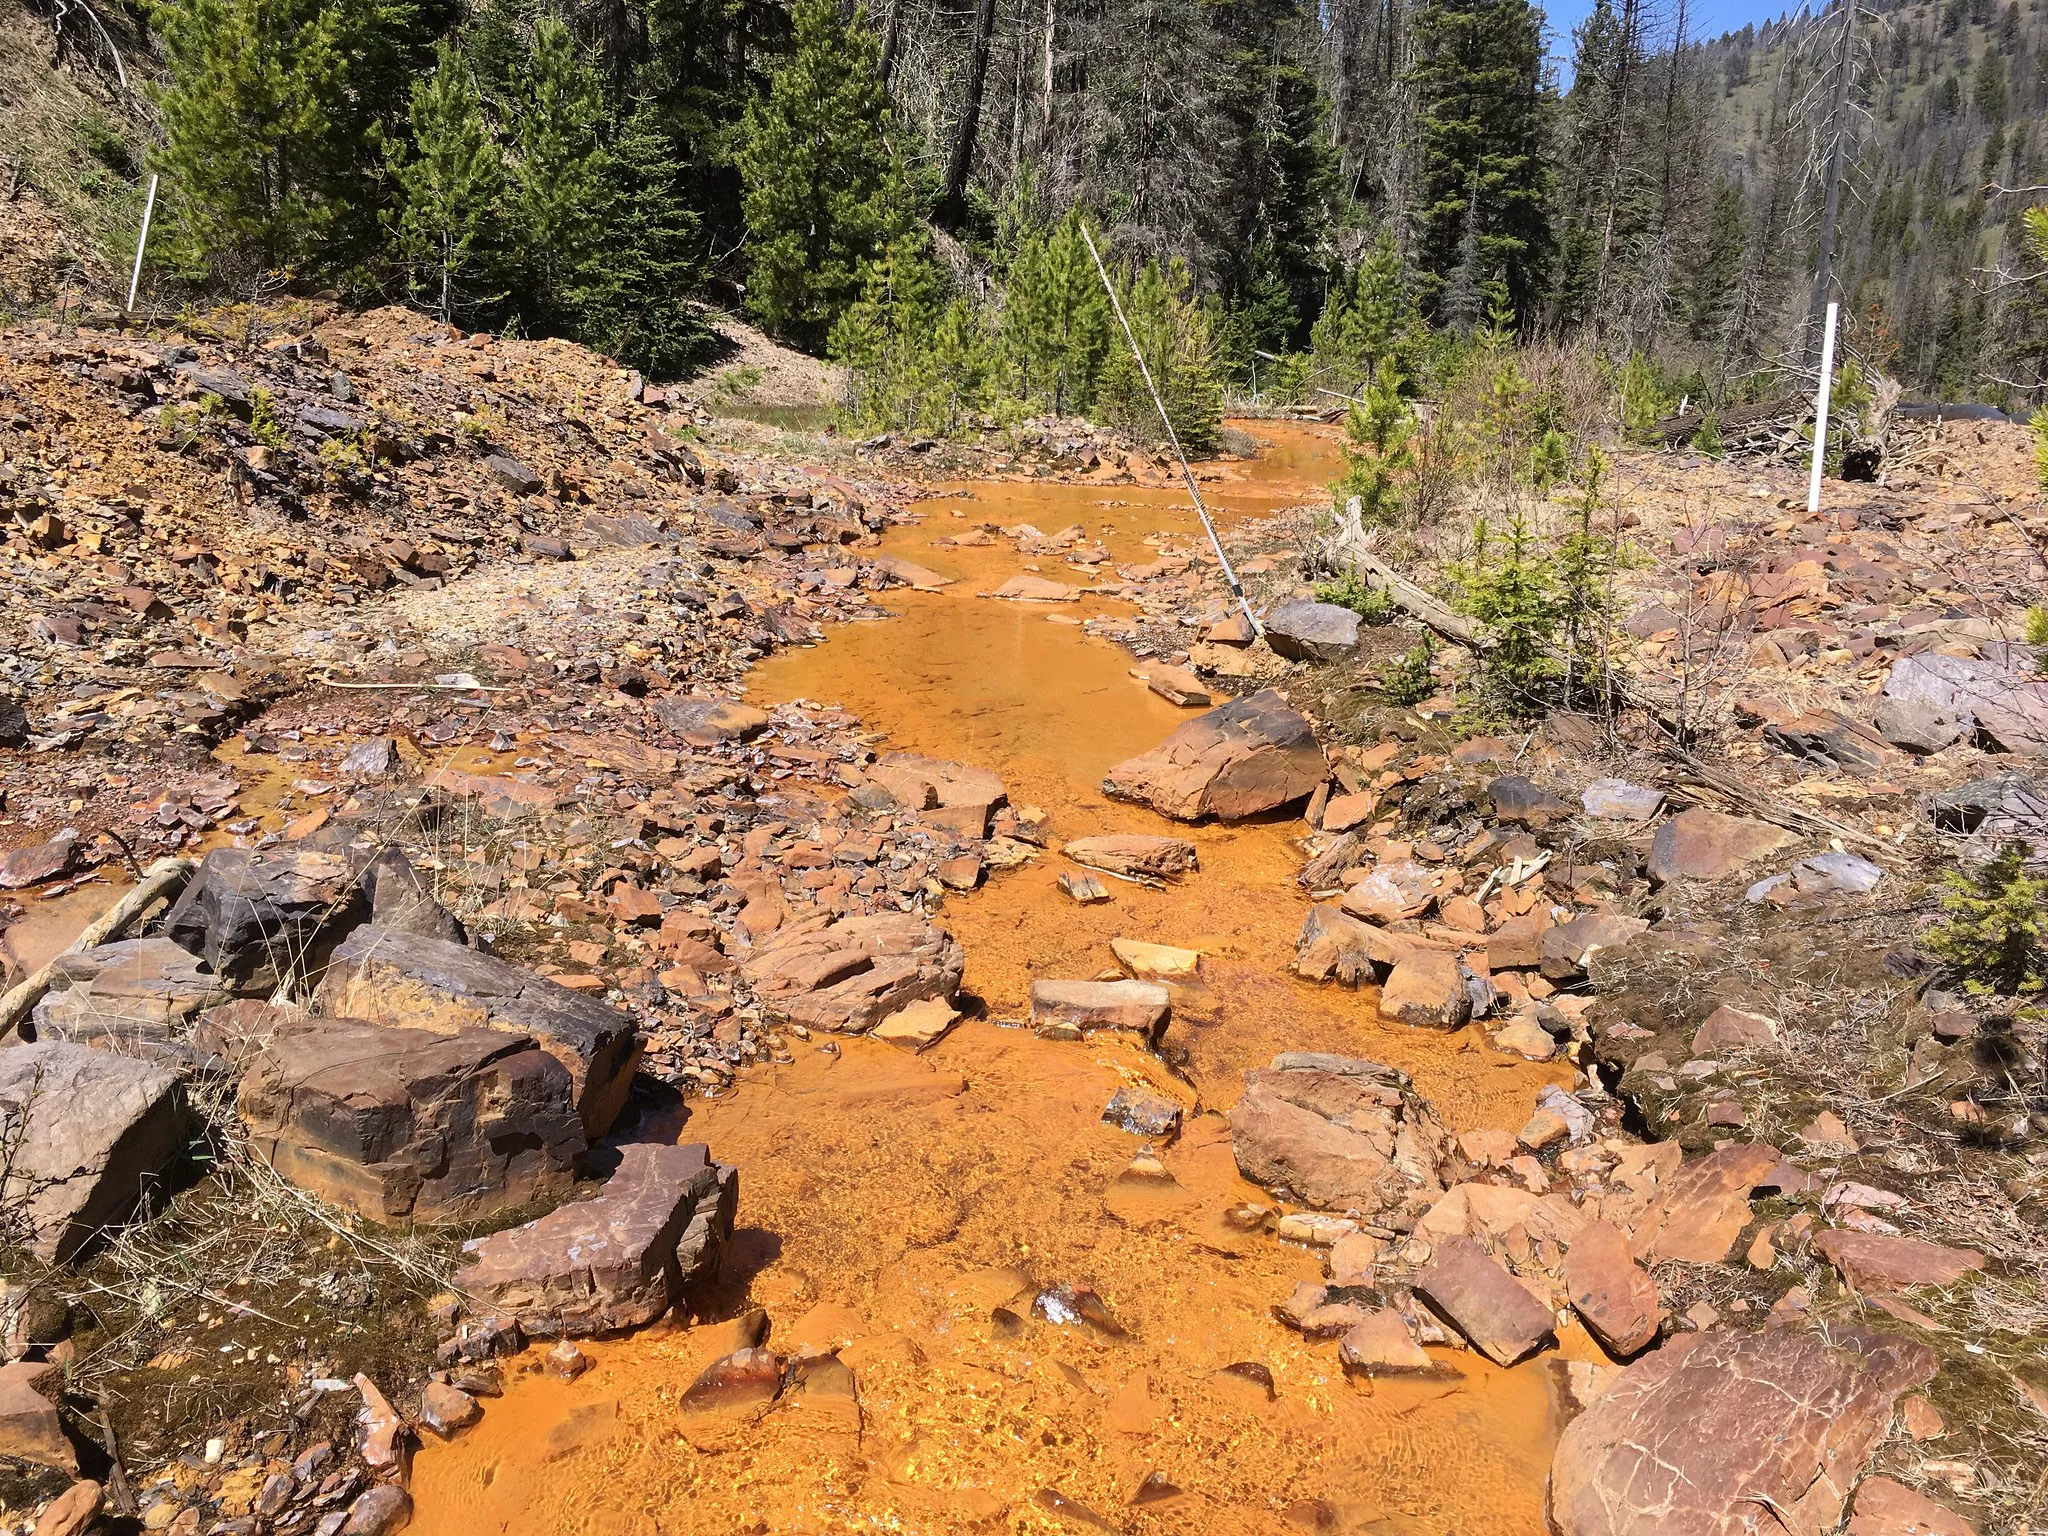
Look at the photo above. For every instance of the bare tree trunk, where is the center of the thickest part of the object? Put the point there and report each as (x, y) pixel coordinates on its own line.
(952, 206)
(1838, 137)
(892, 34)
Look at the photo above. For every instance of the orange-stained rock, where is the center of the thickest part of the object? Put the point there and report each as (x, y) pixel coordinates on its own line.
(1236, 760)
(1612, 1294)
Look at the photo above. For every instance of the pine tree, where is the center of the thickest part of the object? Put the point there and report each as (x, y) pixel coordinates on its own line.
(559, 176)
(636, 304)
(823, 192)
(452, 185)
(1369, 320)
(882, 337)
(1173, 331)
(1477, 78)
(1379, 456)
(264, 116)
(1056, 320)
(1995, 925)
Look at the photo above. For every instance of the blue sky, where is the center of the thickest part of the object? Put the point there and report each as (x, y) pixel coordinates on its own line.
(1706, 18)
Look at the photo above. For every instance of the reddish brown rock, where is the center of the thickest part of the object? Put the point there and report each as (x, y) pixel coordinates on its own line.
(1337, 1133)
(73, 1511)
(1135, 856)
(1236, 760)
(1070, 1008)
(1484, 1302)
(416, 981)
(591, 1267)
(1731, 1434)
(1564, 951)
(448, 1410)
(1427, 989)
(39, 864)
(1734, 1029)
(139, 996)
(1334, 946)
(1706, 845)
(30, 1427)
(1878, 1261)
(383, 1511)
(89, 1137)
(1888, 1508)
(1380, 1345)
(402, 1124)
(1611, 1293)
(845, 975)
(1700, 1211)
(930, 783)
(1393, 892)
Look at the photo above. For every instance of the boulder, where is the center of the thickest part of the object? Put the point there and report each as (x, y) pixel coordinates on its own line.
(1135, 856)
(91, 1135)
(1879, 1261)
(1619, 800)
(1699, 1212)
(2003, 706)
(1250, 755)
(705, 722)
(138, 996)
(1917, 725)
(1427, 989)
(1381, 1345)
(845, 975)
(1615, 1298)
(1338, 1133)
(1333, 945)
(1393, 892)
(261, 918)
(657, 1230)
(1067, 1009)
(31, 1429)
(1705, 845)
(413, 981)
(1521, 800)
(74, 1511)
(1310, 631)
(1728, 1434)
(402, 1124)
(930, 783)
(1888, 1508)
(401, 901)
(1564, 950)
(1484, 1302)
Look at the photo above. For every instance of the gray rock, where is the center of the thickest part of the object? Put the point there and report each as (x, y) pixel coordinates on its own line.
(327, 421)
(1519, 799)
(512, 474)
(138, 996)
(1565, 950)
(401, 902)
(656, 1231)
(1309, 631)
(417, 981)
(1823, 874)
(92, 1137)
(261, 918)
(1142, 1112)
(2000, 703)
(1619, 800)
(1915, 725)
(372, 759)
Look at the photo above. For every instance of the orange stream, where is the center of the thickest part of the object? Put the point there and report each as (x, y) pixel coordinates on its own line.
(889, 1203)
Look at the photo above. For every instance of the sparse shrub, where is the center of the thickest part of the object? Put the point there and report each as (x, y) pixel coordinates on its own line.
(1372, 604)
(2037, 625)
(1706, 437)
(1995, 928)
(265, 424)
(1509, 585)
(481, 427)
(1409, 678)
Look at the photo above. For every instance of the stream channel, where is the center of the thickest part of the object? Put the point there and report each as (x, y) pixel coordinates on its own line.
(904, 1209)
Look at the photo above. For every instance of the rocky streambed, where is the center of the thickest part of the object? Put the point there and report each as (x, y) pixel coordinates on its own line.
(1043, 1060)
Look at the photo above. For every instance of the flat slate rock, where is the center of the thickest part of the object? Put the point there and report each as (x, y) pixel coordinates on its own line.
(31, 1429)
(657, 1230)
(92, 1136)
(415, 981)
(1699, 1212)
(1251, 755)
(1334, 946)
(2004, 706)
(1137, 856)
(1706, 845)
(1304, 630)
(1338, 1133)
(1619, 800)
(845, 975)
(1074, 1008)
(708, 722)
(402, 1125)
(139, 996)
(1613, 1295)
(1879, 1261)
(1732, 1434)
(1484, 1302)
(1885, 1507)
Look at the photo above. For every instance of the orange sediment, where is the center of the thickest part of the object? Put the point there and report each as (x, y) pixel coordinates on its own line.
(906, 1209)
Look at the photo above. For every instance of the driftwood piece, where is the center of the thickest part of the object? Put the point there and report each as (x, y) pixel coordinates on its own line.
(163, 880)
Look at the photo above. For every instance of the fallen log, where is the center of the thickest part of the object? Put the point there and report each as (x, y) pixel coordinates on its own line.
(163, 880)
(1764, 807)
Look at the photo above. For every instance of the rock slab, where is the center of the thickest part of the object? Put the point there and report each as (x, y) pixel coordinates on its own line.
(1338, 1133)
(1484, 1302)
(845, 975)
(91, 1137)
(1728, 1434)
(1250, 755)
(618, 1261)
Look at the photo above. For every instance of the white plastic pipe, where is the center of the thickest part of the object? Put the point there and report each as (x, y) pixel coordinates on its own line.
(1820, 409)
(141, 244)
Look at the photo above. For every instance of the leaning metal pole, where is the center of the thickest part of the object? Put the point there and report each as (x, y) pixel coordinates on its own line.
(1229, 575)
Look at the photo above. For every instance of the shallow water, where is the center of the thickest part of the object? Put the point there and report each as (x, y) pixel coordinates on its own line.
(891, 1204)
